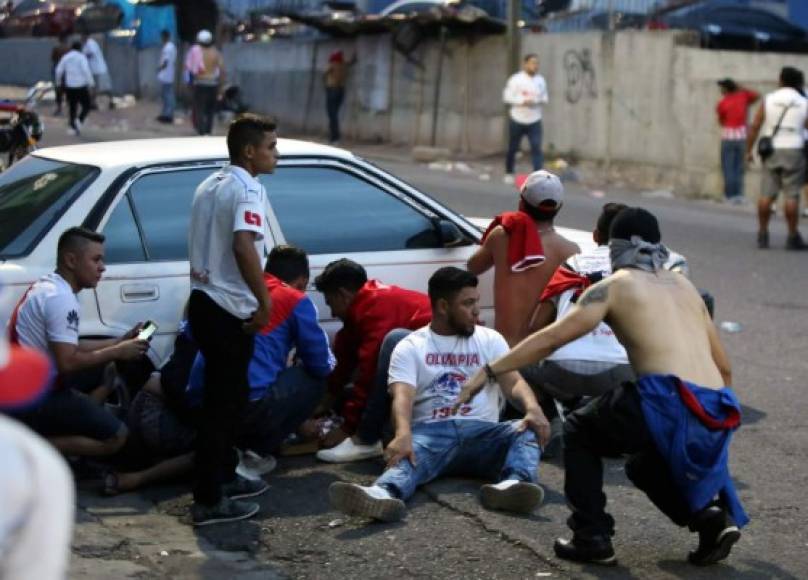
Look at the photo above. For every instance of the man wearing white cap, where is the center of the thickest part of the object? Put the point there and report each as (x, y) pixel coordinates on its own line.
(206, 67)
(525, 250)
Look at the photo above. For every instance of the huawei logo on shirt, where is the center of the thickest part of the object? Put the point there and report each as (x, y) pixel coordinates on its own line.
(73, 320)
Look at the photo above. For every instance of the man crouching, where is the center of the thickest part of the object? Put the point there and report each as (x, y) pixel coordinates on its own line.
(432, 439)
(675, 423)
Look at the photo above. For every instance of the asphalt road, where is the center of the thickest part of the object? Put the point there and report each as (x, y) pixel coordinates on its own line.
(447, 534)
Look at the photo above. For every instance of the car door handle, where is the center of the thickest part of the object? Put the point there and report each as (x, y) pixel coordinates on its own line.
(139, 292)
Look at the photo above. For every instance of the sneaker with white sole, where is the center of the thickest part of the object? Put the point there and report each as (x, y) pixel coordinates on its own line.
(348, 451)
(370, 502)
(512, 495)
(253, 466)
(242, 487)
(227, 510)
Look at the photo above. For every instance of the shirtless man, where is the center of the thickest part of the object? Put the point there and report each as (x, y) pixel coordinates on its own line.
(518, 285)
(680, 411)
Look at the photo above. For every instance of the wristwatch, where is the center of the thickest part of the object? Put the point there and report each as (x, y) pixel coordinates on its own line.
(489, 372)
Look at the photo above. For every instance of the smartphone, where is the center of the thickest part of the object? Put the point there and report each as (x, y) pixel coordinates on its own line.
(149, 328)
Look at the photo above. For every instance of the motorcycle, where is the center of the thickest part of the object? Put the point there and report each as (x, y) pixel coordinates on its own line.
(22, 129)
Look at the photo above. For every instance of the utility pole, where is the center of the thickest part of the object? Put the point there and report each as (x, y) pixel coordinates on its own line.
(514, 35)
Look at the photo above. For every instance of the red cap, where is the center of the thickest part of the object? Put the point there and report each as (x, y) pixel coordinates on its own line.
(336, 56)
(24, 375)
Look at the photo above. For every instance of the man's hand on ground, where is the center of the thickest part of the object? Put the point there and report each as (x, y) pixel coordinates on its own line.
(470, 389)
(333, 438)
(536, 421)
(259, 320)
(399, 448)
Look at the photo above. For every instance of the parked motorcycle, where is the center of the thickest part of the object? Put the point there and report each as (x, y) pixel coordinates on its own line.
(22, 129)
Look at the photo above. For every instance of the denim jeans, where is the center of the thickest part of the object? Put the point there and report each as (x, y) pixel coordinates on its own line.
(515, 133)
(464, 447)
(284, 407)
(377, 411)
(333, 102)
(732, 165)
(169, 101)
(204, 104)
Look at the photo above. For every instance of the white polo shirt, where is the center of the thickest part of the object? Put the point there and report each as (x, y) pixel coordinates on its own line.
(75, 69)
(229, 201)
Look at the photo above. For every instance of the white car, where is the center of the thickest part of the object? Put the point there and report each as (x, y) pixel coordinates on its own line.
(327, 201)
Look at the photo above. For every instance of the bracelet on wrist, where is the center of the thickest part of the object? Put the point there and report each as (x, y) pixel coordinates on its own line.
(489, 372)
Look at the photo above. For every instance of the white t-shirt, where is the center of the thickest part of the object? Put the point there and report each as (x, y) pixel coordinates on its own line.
(437, 366)
(168, 56)
(790, 134)
(95, 57)
(49, 313)
(229, 201)
(520, 88)
(75, 70)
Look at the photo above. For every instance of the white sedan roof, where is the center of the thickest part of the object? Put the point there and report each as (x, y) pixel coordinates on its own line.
(139, 152)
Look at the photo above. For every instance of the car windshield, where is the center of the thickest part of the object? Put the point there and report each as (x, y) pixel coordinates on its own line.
(33, 194)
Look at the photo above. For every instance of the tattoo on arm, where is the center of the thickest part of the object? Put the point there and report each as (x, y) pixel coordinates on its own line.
(597, 293)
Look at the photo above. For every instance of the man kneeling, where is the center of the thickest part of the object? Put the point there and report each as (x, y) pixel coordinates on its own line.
(427, 370)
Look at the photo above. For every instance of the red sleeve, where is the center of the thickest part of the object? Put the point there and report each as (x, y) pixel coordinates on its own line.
(371, 334)
(751, 96)
(345, 351)
(719, 109)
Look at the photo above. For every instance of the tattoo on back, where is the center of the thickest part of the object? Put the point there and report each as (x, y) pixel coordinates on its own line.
(597, 293)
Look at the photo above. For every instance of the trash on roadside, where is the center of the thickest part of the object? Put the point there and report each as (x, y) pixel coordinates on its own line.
(462, 167)
(336, 523)
(658, 194)
(485, 177)
(731, 327)
(440, 166)
(163, 553)
(597, 194)
(124, 102)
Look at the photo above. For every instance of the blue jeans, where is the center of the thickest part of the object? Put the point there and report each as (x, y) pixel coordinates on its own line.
(169, 101)
(333, 102)
(468, 448)
(732, 165)
(284, 407)
(377, 410)
(515, 133)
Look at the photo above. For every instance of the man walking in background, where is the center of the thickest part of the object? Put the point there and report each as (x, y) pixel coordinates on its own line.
(165, 75)
(732, 110)
(335, 76)
(525, 93)
(73, 71)
(98, 66)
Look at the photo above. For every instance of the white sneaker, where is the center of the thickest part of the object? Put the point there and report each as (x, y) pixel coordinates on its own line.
(512, 495)
(253, 466)
(508, 179)
(348, 451)
(370, 502)
(72, 132)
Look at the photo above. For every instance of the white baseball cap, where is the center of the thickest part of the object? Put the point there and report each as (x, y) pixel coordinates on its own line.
(204, 37)
(542, 187)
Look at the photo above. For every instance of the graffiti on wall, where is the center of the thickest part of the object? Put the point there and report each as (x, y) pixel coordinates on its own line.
(580, 73)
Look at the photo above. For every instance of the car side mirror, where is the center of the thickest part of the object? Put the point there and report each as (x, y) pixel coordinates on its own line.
(450, 235)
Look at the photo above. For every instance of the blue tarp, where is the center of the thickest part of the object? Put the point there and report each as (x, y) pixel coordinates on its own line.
(148, 21)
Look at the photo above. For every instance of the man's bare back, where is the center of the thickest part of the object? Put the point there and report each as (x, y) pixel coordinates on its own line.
(517, 294)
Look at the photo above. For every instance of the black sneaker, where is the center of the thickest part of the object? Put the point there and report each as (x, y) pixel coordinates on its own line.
(763, 240)
(796, 242)
(596, 551)
(717, 534)
(227, 510)
(241, 488)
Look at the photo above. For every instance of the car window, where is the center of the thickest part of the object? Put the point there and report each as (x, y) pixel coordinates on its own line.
(123, 243)
(162, 203)
(34, 193)
(329, 211)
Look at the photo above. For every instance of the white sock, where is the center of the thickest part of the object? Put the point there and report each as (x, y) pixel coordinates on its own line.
(377, 492)
(503, 485)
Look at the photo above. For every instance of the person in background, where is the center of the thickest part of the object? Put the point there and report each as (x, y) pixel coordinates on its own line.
(335, 76)
(732, 112)
(525, 93)
(73, 72)
(98, 66)
(165, 76)
(205, 67)
(58, 51)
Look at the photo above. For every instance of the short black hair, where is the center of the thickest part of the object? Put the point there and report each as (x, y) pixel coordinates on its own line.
(342, 273)
(248, 129)
(75, 238)
(607, 215)
(636, 221)
(288, 263)
(76, 45)
(792, 77)
(165, 32)
(529, 56)
(447, 282)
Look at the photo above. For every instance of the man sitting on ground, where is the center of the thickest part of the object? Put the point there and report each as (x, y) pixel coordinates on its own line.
(426, 372)
(165, 412)
(675, 422)
(47, 319)
(524, 249)
(375, 317)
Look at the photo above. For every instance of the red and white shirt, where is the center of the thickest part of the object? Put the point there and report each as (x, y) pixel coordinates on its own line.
(229, 201)
(732, 112)
(436, 366)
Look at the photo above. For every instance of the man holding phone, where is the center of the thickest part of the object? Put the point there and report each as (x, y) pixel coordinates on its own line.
(47, 319)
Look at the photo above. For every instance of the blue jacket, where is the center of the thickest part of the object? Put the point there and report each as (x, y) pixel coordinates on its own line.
(692, 428)
(292, 323)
